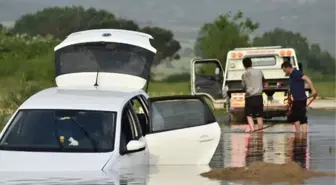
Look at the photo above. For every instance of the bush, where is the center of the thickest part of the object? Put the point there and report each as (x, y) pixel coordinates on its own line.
(15, 96)
(3, 120)
(26, 67)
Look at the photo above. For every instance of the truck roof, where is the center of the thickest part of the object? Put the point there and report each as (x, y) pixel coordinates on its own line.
(257, 48)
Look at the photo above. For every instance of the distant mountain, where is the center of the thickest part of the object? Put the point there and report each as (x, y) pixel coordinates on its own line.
(314, 19)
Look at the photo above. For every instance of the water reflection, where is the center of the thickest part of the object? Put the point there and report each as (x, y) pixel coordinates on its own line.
(155, 175)
(299, 150)
(277, 144)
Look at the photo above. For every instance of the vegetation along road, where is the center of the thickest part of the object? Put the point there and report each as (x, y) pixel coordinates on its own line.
(26, 49)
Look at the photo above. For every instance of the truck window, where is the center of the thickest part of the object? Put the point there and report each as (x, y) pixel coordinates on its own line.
(263, 61)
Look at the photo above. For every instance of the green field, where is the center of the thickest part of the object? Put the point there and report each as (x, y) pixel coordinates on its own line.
(325, 89)
(166, 89)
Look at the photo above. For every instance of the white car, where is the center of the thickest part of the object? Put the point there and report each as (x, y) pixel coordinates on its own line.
(91, 120)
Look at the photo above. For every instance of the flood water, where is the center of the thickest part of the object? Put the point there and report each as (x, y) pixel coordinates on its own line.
(277, 144)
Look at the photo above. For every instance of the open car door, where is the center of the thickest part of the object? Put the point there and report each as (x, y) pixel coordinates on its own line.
(207, 77)
(183, 130)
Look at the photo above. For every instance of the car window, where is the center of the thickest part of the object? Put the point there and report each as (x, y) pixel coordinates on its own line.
(61, 130)
(141, 112)
(170, 114)
(130, 128)
(135, 122)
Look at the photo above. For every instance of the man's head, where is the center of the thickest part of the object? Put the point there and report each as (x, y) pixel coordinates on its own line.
(287, 67)
(247, 63)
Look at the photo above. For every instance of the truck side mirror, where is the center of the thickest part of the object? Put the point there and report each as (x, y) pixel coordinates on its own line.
(217, 71)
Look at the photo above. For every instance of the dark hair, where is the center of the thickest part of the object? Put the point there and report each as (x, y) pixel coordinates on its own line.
(286, 64)
(247, 62)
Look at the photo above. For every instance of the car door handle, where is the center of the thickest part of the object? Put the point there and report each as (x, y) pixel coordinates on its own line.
(205, 138)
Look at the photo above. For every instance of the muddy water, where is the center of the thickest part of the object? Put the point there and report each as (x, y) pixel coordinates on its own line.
(278, 144)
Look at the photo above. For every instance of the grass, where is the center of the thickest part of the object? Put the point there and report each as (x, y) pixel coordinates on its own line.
(326, 89)
(3, 120)
(166, 89)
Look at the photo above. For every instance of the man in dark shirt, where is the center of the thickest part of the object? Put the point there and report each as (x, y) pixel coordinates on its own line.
(297, 88)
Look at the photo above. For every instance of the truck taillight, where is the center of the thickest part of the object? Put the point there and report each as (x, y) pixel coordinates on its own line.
(279, 84)
(265, 85)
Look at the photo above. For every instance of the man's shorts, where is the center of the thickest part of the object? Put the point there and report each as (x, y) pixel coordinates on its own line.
(254, 106)
(299, 112)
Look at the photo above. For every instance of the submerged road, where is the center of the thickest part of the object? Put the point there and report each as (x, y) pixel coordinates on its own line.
(276, 144)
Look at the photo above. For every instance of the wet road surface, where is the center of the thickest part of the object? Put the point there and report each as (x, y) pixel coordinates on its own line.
(277, 144)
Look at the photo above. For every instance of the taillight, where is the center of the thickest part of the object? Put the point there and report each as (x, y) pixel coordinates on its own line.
(279, 84)
(265, 85)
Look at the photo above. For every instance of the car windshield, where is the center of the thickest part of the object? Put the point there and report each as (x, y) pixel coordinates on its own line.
(60, 131)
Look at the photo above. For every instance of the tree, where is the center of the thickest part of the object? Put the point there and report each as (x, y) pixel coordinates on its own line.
(164, 42)
(60, 22)
(310, 55)
(223, 34)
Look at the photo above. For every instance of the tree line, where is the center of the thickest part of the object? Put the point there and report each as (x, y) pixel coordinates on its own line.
(214, 40)
(26, 50)
(229, 31)
(60, 22)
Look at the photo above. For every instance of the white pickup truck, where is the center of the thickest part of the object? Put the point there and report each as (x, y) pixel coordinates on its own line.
(224, 86)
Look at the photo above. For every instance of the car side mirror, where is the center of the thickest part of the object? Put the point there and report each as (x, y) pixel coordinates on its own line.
(135, 146)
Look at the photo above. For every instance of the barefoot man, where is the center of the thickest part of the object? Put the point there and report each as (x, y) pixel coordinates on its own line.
(252, 83)
(297, 88)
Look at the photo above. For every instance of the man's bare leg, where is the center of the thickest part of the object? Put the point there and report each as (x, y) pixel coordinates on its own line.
(297, 126)
(250, 123)
(260, 122)
(304, 127)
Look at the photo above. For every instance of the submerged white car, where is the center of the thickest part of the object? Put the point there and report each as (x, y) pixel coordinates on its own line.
(99, 118)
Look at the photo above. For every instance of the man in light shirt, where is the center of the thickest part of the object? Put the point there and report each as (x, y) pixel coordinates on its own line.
(252, 83)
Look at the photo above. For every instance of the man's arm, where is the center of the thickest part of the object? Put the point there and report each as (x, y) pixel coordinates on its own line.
(310, 83)
(243, 82)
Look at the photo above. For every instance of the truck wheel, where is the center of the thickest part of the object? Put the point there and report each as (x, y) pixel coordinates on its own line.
(231, 117)
(237, 117)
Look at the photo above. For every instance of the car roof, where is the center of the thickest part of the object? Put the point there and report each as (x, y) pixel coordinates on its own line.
(84, 99)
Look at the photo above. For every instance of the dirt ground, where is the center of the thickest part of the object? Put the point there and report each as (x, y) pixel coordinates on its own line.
(266, 173)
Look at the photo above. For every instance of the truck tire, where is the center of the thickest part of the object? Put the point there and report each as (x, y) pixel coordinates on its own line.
(237, 117)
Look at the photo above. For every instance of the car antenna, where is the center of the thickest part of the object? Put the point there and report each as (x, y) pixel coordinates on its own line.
(96, 84)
